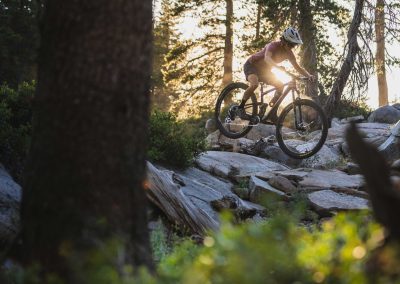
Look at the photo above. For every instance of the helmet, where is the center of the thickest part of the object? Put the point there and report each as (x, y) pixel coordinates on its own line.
(292, 35)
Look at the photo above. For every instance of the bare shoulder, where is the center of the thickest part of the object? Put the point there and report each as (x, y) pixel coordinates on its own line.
(272, 46)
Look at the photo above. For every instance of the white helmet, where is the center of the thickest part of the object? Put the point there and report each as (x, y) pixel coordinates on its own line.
(292, 35)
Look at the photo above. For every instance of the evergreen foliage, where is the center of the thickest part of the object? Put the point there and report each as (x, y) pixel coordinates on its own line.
(18, 41)
(349, 108)
(278, 250)
(171, 142)
(15, 126)
(165, 37)
(194, 66)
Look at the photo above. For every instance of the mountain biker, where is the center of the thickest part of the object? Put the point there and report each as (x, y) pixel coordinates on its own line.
(258, 66)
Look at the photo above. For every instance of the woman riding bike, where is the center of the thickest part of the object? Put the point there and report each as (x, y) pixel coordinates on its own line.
(258, 67)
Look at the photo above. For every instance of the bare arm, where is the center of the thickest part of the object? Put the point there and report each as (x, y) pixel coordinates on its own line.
(298, 68)
(268, 59)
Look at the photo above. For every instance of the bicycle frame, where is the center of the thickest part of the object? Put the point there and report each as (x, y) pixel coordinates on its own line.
(288, 87)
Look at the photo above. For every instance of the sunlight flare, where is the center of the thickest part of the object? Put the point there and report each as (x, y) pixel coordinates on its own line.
(281, 76)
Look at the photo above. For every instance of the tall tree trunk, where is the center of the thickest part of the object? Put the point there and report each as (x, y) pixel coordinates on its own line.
(84, 183)
(258, 21)
(380, 52)
(308, 49)
(293, 13)
(228, 50)
(353, 48)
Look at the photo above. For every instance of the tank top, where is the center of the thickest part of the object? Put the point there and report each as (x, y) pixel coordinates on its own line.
(279, 54)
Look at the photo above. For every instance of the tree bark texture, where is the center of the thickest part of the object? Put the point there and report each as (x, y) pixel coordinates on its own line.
(84, 183)
(380, 52)
(345, 70)
(308, 48)
(228, 49)
(258, 21)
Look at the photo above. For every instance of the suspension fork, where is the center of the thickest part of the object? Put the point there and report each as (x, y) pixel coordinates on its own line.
(298, 117)
(263, 107)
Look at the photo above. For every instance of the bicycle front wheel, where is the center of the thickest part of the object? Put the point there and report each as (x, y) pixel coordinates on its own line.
(302, 129)
(231, 121)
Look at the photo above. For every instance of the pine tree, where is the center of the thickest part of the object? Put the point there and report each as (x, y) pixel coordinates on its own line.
(347, 66)
(317, 54)
(19, 39)
(165, 37)
(308, 54)
(380, 52)
(196, 68)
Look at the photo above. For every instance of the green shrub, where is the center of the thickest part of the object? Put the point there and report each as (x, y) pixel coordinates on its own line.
(172, 142)
(349, 108)
(15, 126)
(278, 251)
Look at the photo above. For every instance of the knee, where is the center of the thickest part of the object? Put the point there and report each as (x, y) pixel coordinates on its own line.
(279, 88)
(253, 87)
(253, 84)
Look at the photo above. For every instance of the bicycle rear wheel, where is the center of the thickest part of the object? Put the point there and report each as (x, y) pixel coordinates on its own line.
(230, 120)
(302, 129)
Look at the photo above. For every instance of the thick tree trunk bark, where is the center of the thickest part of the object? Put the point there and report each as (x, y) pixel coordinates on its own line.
(308, 49)
(228, 50)
(380, 52)
(84, 183)
(353, 48)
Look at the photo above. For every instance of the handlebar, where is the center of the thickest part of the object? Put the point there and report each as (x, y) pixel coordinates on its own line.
(294, 76)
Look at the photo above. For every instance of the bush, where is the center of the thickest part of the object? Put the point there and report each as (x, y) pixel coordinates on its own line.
(278, 251)
(15, 126)
(349, 108)
(171, 142)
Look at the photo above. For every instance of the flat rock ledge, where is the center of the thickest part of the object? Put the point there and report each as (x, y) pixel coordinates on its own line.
(310, 179)
(327, 200)
(229, 165)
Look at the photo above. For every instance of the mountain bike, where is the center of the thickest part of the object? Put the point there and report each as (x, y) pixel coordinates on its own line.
(301, 127)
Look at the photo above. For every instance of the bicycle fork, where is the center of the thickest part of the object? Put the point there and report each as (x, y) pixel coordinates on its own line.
(298, 116)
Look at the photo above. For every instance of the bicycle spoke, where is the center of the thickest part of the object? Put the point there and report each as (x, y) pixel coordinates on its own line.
(233, 121)
(302, 129)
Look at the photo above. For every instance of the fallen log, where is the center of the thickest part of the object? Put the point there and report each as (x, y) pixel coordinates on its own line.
(164, 189)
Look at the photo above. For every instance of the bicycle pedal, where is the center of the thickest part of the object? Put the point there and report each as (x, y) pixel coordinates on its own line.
(228, 120)
(255, 120)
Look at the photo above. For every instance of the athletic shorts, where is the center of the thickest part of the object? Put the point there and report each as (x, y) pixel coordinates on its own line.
(266, 77)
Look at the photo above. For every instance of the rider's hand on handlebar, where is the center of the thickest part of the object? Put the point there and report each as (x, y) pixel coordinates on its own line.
(281, 68)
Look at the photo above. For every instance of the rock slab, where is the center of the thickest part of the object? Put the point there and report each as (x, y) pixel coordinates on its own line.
(10, 199)
(283, 184)
(229, 165)
(385, 114)
(316, 179)
(258, 188)
(323, 159)
(328, 200)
